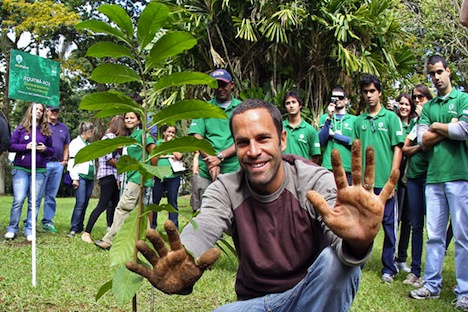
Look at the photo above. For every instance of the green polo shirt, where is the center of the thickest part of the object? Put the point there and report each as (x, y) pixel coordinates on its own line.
(216, 131)
(417, 166)
(343, 126)
(448, 159)
(135, 151)
(384, 131)
(302, 140)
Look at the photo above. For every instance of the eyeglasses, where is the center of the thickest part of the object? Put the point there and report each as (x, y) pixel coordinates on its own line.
(419, 96)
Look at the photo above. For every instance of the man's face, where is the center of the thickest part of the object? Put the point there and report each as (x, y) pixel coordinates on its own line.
(224, 90)
(371, 95)
(339, 99)
(292, 106)
(259, 149)
(53, 114)
(440, 76)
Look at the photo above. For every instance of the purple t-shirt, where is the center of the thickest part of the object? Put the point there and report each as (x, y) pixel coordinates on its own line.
(20, 139)
(60, 138)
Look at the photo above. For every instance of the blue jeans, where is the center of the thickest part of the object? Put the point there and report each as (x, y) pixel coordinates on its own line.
(171, 186)
(82, 195)
(21, 189)
(52, 185)
(328, 286)
(390, 225)
(417, 210)
(444, 199)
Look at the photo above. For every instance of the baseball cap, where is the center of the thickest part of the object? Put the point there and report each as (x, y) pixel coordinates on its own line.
(221, 74)
(52, 108)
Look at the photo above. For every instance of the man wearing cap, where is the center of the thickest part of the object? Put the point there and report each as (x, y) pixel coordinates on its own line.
(336, 129)
(55, 165)
(216, 131)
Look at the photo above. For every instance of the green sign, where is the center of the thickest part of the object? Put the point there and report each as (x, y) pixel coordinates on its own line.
(34, 79)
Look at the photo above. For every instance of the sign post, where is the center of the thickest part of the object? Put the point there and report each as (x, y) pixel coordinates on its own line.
(34, 79)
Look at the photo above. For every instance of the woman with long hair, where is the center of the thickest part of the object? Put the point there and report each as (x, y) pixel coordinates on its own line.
(108, 179)
(416, 176)
(82, 176)
(131, 193)
(21, 143)
(169, 185)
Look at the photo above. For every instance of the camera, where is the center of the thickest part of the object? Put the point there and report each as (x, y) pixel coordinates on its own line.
(396, 105)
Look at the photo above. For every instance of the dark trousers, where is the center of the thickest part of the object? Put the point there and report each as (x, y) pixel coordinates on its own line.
(171, 187)
(389, 224)
(107, 201)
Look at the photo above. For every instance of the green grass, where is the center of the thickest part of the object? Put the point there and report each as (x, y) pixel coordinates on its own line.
(70, 272)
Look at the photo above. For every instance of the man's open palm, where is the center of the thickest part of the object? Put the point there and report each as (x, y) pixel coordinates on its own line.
(174, 271)
(358, 212)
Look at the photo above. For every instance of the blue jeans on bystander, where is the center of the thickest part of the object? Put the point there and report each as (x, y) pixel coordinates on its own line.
(52, 185)
(21, 188)
(82, 195)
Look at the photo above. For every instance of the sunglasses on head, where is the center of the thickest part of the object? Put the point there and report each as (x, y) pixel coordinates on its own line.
(419, 96)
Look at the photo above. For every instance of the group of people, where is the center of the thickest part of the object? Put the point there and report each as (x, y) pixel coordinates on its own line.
(295, 225)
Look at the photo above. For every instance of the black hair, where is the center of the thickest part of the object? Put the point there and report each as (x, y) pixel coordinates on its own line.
(424, 90)
(369, 79)
(340, 89)
(436, 59)
(294, 94)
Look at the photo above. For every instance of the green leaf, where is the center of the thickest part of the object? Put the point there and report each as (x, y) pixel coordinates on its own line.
(125, 285)
(114, 73)
(119, 16)
(110, 100)
(100, 27)
(185, 110)
(127, 163)
(104, 288)
(170, 44)
(183, 144)
(101, 148)
(108, 49)
(159, 171)
(185, 78)
(151, 20)
(124, 242)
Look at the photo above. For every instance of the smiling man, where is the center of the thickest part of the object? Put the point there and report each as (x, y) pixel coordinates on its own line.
(302, 138)
(294, 229)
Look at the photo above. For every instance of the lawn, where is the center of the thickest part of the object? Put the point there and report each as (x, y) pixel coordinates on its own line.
(70, 272)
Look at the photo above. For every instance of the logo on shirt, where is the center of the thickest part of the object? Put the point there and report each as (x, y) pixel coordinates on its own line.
(363, 127)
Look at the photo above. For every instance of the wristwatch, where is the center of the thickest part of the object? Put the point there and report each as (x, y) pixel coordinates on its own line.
(220, 156)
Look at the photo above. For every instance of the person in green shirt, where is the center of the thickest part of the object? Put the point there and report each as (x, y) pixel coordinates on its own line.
(443, 130)
(216, 131)
(383, 130)
(170, 184)
(302, 138)
(131, 193)
(336, 129)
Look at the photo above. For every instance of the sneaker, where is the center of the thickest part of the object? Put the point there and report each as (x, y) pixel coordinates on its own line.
(10, 235)
(461, 303)
(387, 278)
(423, 293)
(29, 238)
(413, 280)
(86, 237)
(402, 266)
(102, 244)
(49, 227)
(71, 234)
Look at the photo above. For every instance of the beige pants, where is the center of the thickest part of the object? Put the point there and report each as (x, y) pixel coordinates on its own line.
(127, 203)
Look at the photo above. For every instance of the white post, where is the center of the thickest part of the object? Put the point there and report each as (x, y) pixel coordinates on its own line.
(33, 193)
